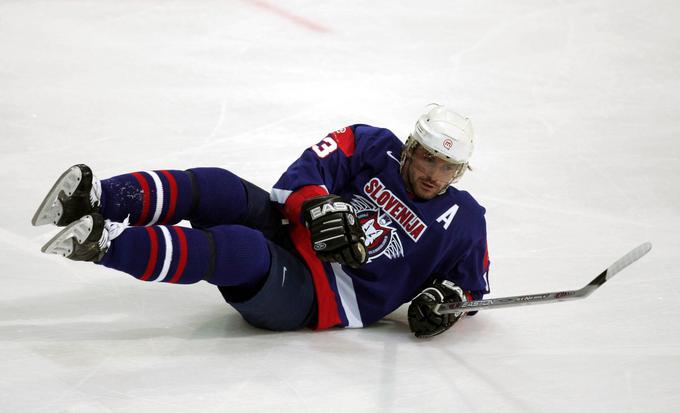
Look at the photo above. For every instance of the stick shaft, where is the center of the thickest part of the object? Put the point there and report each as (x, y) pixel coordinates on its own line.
(552, 297)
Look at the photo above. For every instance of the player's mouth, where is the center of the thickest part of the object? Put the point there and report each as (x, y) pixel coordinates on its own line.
(428, 186)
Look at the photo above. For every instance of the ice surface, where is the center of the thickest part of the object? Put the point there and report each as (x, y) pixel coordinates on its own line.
(577, 111)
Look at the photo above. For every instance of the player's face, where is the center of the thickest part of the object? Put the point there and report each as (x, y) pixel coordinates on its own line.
(428, 175)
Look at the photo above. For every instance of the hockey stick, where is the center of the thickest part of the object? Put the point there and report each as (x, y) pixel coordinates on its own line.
(546, 298)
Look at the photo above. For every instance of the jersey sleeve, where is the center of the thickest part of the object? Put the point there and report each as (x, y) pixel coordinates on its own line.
(474, 270)
(471, 273)
(323, 168)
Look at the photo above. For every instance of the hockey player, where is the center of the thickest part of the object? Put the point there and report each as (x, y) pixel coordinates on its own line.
(357, 226)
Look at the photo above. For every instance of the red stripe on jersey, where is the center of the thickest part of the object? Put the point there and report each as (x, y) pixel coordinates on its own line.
(345, 139)
(153, 254)
(173, 196)
(486, 257)
(146, 200)
(183, 251)
(328, 315)
(325, 297)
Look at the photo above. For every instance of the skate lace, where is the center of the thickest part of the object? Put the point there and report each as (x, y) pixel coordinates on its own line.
(111, 231)
(95, 191)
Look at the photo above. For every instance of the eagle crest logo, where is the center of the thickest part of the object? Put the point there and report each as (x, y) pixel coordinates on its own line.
(381, 235)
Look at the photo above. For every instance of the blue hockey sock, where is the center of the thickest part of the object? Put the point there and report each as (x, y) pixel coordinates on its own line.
(227, 255)
(207, 196)
(241, 256)
(219, 197)
(149, 197)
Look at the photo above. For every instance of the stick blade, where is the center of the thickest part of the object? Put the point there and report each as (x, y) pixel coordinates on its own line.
(634, 255)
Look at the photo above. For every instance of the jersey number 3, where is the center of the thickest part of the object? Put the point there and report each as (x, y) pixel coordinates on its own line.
(326, 147)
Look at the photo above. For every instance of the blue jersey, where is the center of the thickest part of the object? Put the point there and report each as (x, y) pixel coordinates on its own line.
(409, 240)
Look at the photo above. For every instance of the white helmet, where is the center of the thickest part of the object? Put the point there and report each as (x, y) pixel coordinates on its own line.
(445, 134)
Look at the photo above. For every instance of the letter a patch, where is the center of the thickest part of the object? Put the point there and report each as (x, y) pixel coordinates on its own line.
(447, 217)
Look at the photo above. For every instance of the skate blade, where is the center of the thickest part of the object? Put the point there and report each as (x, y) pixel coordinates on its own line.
(65, 241)
(50, 209)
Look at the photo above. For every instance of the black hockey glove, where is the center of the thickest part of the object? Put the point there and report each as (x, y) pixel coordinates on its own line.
(336, 233)
(422, 319)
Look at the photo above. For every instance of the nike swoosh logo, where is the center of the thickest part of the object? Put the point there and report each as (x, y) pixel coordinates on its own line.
(389, 153)
(284, 276)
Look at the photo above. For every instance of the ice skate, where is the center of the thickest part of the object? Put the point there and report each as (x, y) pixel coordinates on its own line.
(86, 239)
(76, 193)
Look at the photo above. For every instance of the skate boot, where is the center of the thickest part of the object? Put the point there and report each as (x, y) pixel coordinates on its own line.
(86, 239)
(77, 192)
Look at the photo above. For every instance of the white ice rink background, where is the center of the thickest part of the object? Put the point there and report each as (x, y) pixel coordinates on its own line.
(577, 112)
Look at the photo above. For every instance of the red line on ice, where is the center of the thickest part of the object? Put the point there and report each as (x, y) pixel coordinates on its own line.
(299, 20)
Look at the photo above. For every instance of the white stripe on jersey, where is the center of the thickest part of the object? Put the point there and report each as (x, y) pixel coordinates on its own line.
(279, 195)
(159, 197)
(168, 253)
(348, 296)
